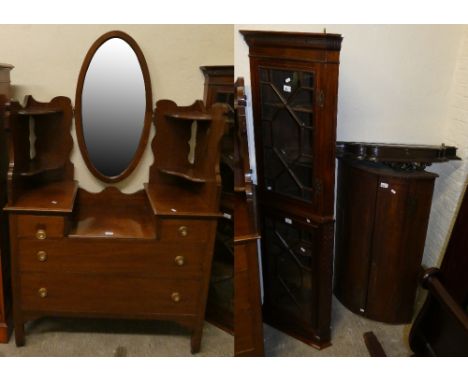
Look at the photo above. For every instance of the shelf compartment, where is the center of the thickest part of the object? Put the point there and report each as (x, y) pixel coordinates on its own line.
(189, 115)
(177, 201)
(39, 110)
(54, 197)
(184, 173)
(113, 214)
(36, 167)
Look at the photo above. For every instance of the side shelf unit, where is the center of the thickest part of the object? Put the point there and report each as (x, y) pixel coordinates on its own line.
(36, 160)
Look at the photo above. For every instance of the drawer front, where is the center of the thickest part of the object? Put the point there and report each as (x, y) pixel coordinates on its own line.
(104, 256)
(40, 227)
(107, 294)
(185, 230)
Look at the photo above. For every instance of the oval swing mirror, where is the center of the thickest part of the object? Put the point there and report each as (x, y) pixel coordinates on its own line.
(113, 106)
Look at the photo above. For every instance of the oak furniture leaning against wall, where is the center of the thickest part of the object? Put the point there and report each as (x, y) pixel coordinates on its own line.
(383, 205)
(219, 88)
(145, 255)
(294, 79)
(441, 327)
(248, 326)
(5, 292)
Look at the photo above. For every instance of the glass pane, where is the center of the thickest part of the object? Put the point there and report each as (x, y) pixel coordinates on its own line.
(285, 81)
(288, 116)
(222, 97)
(290, 268)
(221, 291)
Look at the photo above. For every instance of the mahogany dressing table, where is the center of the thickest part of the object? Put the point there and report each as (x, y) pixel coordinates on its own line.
(145, 255)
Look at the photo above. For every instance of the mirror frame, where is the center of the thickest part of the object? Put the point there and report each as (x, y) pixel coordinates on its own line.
(148, 110)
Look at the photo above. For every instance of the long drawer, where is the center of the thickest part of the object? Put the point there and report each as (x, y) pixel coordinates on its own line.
(107, 294)
(170, 260)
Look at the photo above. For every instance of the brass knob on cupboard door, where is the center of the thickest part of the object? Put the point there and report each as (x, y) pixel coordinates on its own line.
(179, 260)
(42, 292)
(183, 230)
(41, 234)
(175, 296)
(42, 255)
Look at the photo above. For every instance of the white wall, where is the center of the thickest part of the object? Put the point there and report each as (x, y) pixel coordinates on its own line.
(48, 58)
(394, 87)
(453, 175)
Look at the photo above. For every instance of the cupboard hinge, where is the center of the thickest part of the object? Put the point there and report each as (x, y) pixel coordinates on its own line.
(321, 99)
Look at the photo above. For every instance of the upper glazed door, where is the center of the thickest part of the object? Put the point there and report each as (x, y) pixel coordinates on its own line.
(290, 102)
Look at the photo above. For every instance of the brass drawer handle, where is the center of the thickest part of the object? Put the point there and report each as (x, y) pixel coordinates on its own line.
(179, 260)
(42, 256)
(42, 292)
(183, 230)
(41, 234)
(175, 296)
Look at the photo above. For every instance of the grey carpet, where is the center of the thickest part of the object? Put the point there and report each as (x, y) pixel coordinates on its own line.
(86, 337)
(347, 338)
(111, 338)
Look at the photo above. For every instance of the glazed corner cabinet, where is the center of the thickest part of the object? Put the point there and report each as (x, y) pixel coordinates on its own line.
(234, 302)
(219, 88)
(5, 290)
(294, 80)
(5, 303)
(145, 255)
(248, 325)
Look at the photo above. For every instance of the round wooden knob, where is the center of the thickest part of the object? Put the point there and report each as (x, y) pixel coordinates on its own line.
(41, 234)
(179, 260)
(42, 255)
(42, 292)
(175, 296)
(183, 230)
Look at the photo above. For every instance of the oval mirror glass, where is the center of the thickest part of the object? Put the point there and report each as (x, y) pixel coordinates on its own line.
(113, 106)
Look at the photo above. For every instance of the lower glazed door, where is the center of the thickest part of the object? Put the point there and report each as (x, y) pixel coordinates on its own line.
(297, 272)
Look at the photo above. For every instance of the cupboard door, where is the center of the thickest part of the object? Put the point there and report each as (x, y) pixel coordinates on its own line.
(290, 269)
(356, 198)
(388, 251)
(401, 219)
(288, 115)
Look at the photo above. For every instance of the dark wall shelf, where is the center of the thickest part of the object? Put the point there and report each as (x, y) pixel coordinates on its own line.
(424, 155)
